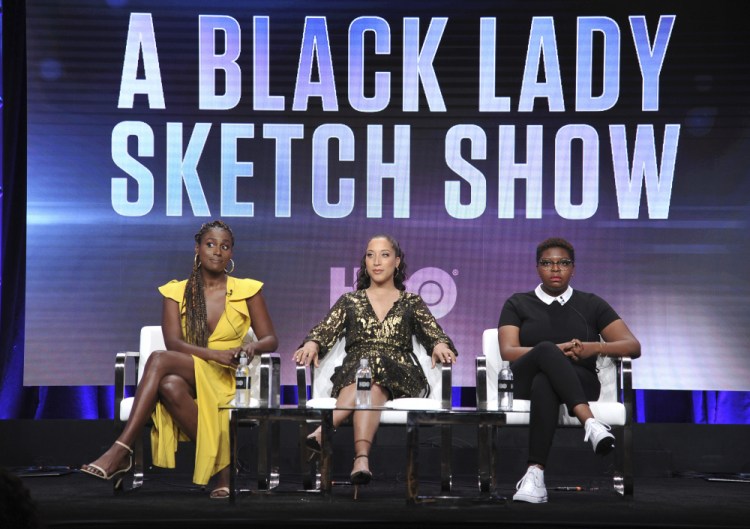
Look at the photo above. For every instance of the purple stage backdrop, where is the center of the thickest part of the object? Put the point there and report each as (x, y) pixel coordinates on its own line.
(468, 130)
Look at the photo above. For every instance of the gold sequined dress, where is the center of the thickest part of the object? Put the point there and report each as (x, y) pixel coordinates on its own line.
(387, 344)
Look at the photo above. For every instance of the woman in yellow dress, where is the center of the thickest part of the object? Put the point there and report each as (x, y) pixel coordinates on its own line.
(204, 320)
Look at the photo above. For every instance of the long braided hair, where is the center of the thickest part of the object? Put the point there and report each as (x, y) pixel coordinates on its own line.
(363, 279)
(196, 317)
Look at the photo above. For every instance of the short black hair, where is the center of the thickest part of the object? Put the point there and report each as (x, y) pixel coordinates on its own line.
(555, 242)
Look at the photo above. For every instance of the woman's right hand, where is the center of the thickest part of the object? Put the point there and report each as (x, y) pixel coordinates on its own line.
(307, 354)
(572, 349)
(230, 357)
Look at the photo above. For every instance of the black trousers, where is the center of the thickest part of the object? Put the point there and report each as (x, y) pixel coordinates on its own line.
(548, 378)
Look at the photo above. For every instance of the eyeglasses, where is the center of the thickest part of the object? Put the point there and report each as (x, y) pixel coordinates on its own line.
(564, 264)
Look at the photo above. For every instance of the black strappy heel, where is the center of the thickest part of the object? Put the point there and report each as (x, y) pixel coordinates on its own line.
(312, 444)
(360, 477)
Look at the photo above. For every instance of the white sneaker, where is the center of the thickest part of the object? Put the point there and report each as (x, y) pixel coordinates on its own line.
(598, 433)
(531, 487)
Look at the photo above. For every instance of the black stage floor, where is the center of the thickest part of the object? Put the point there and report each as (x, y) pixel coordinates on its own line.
(74, 500)
(686, 476)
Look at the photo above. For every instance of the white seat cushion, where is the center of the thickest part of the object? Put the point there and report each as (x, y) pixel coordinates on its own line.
(401, 407)
(607, 409)
(612, 413)
(322, 385)
(125, 406)
(254, 403)
(395, 415)
(323, 403)
(409, 403)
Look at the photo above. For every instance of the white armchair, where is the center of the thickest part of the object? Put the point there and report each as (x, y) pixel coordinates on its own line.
(439, 379)
(264, 368)
(614, 406)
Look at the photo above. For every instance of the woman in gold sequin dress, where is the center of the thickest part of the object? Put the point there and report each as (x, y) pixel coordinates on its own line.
(378, 321)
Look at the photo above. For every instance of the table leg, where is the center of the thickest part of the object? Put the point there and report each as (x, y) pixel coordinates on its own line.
(326, 455)
(446, 458)
(412, 463)
(232, 455)
(275, 472)
(268, 454)
(263, 474)
(485, 460)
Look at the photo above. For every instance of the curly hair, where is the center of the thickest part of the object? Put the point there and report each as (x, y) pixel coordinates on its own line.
(399, 277)
(555, 242)
(196, 317)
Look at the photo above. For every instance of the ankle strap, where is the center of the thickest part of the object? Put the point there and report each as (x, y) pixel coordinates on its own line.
(361, 455)
(126, 447)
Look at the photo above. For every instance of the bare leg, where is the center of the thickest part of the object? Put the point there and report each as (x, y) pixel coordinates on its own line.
(178, 396)
(222, 481)
(583, 412)
(346, 399)
(160, 364)
(365, 425)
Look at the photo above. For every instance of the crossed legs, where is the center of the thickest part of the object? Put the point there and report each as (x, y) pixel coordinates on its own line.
(546, 377)
(169, 378)
(365, 423)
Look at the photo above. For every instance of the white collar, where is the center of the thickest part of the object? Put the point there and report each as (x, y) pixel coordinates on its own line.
(562, 299)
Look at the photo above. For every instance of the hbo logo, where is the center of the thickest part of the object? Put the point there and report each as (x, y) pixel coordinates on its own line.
(436, 286)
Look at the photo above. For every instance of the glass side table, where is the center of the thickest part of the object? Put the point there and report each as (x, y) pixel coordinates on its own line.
(486, 422)
(268, 420)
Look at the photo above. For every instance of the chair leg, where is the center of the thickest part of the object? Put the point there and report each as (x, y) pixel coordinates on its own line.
(135, 476)
(623, 477)
(268, 455)
(138, 464)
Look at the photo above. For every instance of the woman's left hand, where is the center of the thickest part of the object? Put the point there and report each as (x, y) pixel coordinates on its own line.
(248, 349)
(573, 349)
(442, 354)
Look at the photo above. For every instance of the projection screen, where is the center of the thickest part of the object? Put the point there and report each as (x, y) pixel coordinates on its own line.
(468, 130)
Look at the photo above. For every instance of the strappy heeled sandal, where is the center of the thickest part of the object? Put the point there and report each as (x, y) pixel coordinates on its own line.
(99, 472)
(219, 493)
(311, 442)
(360, 477)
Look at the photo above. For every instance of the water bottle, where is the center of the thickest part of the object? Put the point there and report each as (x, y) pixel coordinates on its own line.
(242, 382)
(364, 384)
(505, 387)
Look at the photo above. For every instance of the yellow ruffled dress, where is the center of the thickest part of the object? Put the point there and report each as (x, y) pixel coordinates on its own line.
(214, 385)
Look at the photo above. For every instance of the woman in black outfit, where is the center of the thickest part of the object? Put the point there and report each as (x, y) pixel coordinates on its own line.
(551, 336)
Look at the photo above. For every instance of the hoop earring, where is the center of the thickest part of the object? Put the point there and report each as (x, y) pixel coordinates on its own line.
(232, 270)
(196, 263)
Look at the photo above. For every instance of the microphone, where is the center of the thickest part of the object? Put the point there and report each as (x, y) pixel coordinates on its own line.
(230, 292)
(585, 323)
